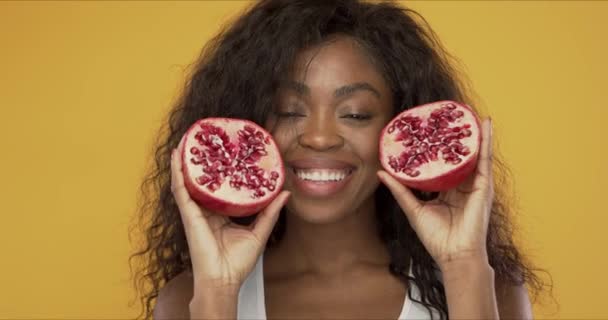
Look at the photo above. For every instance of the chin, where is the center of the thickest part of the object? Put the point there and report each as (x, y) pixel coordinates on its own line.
(325, 211)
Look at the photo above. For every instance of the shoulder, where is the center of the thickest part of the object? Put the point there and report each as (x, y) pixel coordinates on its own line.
(174, 298)
(512, 300)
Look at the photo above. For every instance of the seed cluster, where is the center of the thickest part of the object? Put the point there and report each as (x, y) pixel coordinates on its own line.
(429, 140)
(222, 159)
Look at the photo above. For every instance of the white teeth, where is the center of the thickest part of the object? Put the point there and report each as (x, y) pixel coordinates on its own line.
(322, 174)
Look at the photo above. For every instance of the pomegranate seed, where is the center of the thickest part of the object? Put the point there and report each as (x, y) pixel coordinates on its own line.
(274, 175)
(196, 160)
(423, 148)
(202, 180)
(394, 165)
(402, 136)
(422, 158)
(214, 186)
(467, 133)
(402, 161)
(413, 173)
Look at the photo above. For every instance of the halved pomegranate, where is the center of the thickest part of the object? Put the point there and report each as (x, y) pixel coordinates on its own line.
(231, 166)
(432, 147)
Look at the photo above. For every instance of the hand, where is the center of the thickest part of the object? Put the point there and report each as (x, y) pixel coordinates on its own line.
(222, 253)
(454, 226)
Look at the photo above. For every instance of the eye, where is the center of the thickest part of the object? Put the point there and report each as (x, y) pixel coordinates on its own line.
(358, 116)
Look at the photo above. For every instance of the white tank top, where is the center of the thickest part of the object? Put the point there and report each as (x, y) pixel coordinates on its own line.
(251, 304)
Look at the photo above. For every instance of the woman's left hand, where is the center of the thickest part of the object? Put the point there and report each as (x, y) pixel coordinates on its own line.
(454, 226)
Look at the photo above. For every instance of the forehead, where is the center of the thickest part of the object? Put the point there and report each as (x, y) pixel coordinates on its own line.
(337, 61)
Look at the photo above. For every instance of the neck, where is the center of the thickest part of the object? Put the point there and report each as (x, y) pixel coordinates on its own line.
(333, 248)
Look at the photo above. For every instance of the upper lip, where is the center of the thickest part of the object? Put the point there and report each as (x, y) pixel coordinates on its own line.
(319, 163)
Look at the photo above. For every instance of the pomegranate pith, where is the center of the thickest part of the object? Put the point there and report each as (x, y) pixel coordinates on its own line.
(432, 147)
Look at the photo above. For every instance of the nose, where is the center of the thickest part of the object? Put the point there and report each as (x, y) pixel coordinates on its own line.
(320, 133)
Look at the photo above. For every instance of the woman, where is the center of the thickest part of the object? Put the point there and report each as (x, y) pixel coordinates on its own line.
(371, 249)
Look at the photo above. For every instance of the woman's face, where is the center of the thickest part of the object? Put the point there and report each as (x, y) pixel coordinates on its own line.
(327, 122)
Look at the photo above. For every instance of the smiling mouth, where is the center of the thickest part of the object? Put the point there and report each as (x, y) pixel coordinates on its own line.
(322, 175)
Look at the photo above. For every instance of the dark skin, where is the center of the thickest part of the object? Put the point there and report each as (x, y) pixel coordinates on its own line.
(331, 249)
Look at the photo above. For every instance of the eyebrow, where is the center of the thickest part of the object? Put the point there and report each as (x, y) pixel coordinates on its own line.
(341, 92)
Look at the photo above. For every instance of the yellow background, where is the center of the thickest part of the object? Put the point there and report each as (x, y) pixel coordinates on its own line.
(85, 85)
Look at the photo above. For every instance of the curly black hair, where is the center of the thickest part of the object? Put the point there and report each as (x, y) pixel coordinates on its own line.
(237, 75)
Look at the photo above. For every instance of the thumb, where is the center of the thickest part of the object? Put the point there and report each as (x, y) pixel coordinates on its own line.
(406, 199)
(268, 217)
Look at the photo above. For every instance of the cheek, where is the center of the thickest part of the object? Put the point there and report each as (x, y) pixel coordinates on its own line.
(284, 136)
(365, 144)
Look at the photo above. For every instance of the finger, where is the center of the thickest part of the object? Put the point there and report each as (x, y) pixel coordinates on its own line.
(180, 145)
(406, 199)
(268, 217)
(483, 184)
(215, 221)
(191, 213)
(484, 165)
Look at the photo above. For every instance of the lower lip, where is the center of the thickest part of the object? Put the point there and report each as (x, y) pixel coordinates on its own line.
(323, 188)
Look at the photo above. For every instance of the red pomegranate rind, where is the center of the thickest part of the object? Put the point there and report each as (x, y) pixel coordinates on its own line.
(231, 166)
(432, 147)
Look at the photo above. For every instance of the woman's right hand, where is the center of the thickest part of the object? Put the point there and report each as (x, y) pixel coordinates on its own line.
(222, 253)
